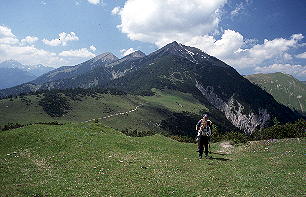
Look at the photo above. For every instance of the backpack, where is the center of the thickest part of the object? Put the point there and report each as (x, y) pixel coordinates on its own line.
(205, 128)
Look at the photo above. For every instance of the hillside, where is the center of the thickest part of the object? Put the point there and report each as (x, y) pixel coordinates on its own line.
(284, 88)
(93, 160)
(229, 97)
(216, 84)
(156, 112)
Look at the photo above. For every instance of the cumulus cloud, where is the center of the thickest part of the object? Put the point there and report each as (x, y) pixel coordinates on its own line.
(92, 48)
(29, 55)
(6, 36)
(230, 43)
(233, 49)
(270, 50)
(25, 53)
(63, 39)
(160, 21)
(302, 55)
(95, 2)
(29, 40)
(6, 32)
(125, 52)
(80, 53)
(296, 70)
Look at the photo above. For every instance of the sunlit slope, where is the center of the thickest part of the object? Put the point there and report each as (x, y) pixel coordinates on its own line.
(92, 160)
(284, 88)
(123, 112)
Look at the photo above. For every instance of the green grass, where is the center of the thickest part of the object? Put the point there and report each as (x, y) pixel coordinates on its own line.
(145, 120)
(175, 101)
(284, 88)
(93, 160)
(17, 111)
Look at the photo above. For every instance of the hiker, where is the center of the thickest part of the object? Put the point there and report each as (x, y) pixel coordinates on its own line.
(203, 128)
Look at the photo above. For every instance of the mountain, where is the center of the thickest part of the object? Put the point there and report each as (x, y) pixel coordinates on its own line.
(35, 70)
(228, 96)
(66, 72)
(215, 83)
(284, 88)
(10, 77)
(97, 71)
(39, 69)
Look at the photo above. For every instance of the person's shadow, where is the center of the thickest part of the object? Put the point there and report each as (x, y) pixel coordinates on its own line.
(216, 153)
(218, 158)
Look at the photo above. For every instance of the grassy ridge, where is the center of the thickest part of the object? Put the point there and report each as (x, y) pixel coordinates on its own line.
(175, 101)
(284, 88)
(27, 110)
(145, 120)
(89, 159)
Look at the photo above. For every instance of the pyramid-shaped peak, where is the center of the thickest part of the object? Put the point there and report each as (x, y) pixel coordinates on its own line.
(137, 53)
(105, 57)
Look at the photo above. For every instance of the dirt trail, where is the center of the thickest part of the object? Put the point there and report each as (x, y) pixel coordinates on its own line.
(116, 114)
(226, 147)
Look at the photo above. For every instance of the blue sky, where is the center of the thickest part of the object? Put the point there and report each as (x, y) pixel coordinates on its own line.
(251, 35)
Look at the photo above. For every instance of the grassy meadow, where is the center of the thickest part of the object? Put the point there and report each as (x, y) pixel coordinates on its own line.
(93, 160)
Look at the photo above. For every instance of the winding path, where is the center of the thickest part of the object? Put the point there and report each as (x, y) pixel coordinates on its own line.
(117, 114)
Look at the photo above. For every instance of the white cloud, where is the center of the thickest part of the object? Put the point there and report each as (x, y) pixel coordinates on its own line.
(12, 48)
(29, 40)
(80, 53)
(6, 36)
(125, 52)
(160, 21)
(22, 51)
(296, 70)
(116, 10)
(270, 50)
(230, 43)
(302, 55)
(195, 23)
(29, 55)
(95, 2)
(62, 40)
(93, 48)
(6, 32)
(287, 56)
(233, 49)
(9, 40)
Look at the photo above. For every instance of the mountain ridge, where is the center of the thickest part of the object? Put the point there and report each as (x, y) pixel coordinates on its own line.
(186, 69)
(35, 70)
(283, 87)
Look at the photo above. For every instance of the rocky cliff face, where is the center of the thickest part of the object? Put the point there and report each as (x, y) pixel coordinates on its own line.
(234, 111)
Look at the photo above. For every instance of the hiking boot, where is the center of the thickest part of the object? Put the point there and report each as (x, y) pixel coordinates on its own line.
(200, 156)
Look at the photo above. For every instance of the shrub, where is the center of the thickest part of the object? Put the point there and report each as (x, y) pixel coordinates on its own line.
(54, 104)
(288, 130)
(10, 126)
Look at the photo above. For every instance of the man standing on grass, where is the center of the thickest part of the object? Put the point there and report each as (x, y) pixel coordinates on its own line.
(203, 128)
